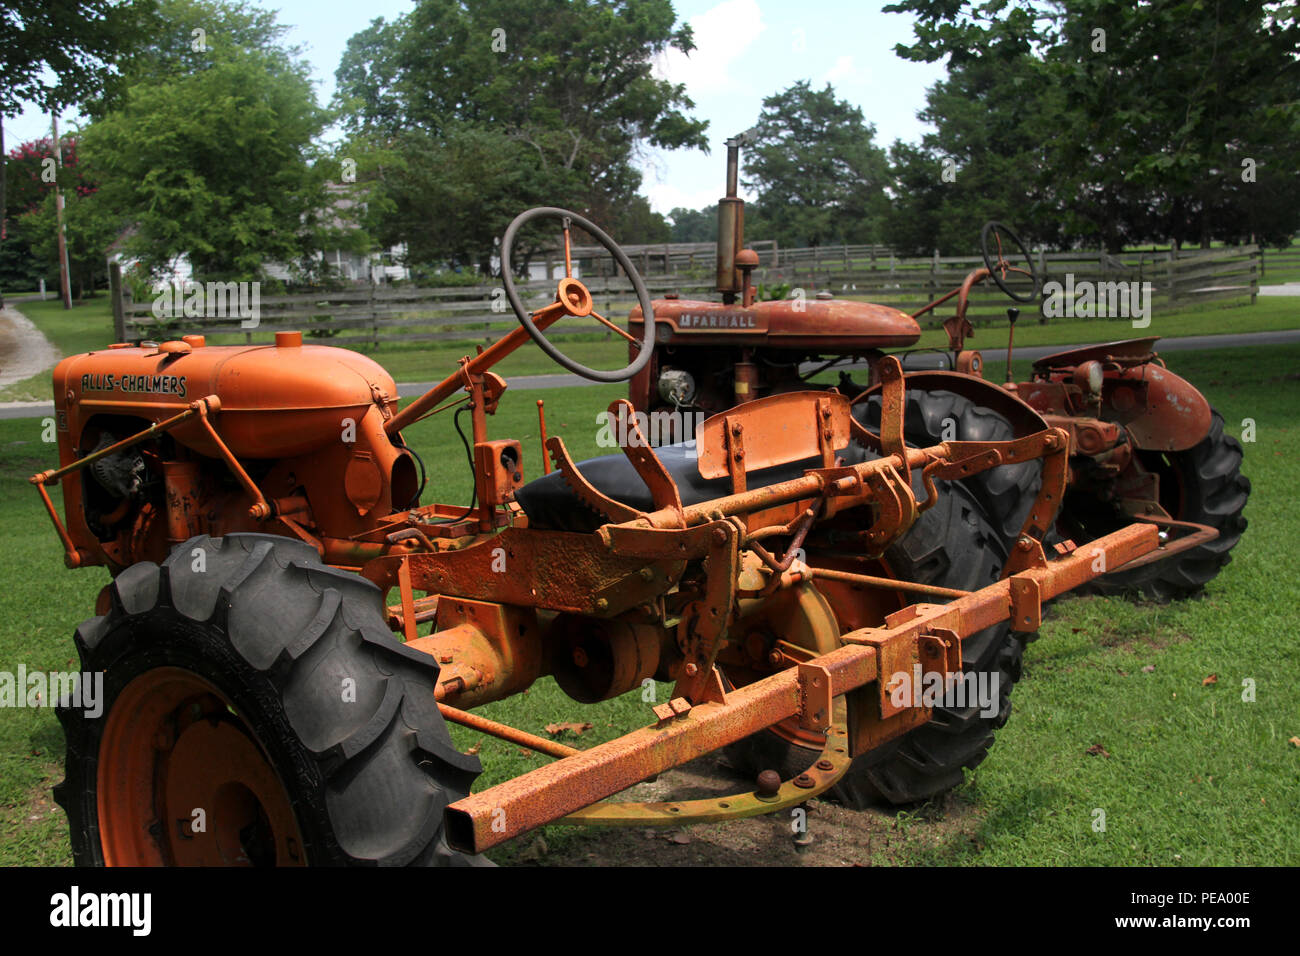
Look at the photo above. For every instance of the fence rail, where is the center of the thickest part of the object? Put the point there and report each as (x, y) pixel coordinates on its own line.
(481, 313)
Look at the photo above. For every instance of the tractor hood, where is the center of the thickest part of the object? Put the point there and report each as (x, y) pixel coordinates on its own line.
(276, 400)
(786, 323)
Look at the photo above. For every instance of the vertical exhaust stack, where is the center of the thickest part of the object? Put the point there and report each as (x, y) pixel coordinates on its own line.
(731, 225)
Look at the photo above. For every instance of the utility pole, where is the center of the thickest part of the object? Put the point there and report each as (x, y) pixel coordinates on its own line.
(65, 279)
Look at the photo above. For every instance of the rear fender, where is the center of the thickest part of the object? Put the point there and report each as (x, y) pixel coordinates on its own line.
(1024, 420)
(1160, 411)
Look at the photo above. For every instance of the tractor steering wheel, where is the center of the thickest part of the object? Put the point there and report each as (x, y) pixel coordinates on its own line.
(999, 267)
(573, 297)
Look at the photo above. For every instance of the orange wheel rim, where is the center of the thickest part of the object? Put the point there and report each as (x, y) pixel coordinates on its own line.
(182, 781)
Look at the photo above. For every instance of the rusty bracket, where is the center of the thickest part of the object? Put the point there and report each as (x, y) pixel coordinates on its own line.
(814, 698)
(705, 621)
(1026, 603)
(893, 403)
(593, 499)
(735, 432)
(663, 490)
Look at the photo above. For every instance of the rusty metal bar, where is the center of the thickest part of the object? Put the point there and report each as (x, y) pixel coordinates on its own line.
(871, 580)
(543, 318)
(260, 510)
(541, 428)
(542, 796)
(49, 477)
(71, 556)
(506, 732)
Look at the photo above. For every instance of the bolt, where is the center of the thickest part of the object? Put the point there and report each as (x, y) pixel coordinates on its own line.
(825, 765)
(1024, 544)
(769, 782)
(803, 842)
(444, 658)
(775, 658)
(740, 454)
(804, 781)
(691, 670)
(719, 536)
(735, 428)
(601, 604)
(646, 574)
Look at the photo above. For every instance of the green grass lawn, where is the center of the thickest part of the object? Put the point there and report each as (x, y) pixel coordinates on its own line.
(1194, 776)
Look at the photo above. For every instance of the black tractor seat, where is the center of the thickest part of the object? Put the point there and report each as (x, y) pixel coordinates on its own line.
(550, 503)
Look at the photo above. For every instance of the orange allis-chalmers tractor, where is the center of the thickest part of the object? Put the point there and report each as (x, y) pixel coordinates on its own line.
(289, 626)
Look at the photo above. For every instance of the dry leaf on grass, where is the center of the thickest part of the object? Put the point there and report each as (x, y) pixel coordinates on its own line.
(556, 729)
(1097, 750)
(1212, 679)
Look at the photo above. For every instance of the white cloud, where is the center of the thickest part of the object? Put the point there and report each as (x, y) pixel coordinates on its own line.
(845, 72)
(722, 34)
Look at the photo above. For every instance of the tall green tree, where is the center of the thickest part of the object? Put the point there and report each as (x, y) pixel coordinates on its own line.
(819, 174)
(1174, 119)
(563, 92)
(217, 165)
(56, 54)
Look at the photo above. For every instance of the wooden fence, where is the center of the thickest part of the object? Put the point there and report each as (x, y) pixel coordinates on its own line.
(375, 314)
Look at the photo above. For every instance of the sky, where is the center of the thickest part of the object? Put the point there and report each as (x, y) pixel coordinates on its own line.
(745, 50)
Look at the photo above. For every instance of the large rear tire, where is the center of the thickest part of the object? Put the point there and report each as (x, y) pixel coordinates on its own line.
(953, 544)
(256, 710)
(1202, 484)
(1006, 493)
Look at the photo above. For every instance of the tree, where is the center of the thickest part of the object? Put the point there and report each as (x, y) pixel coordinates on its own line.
(637, 224)
(75, 43)
(694, 225)
(1168, 120)
(181, 39)
(562, 92)
(217, 165)
(987, 159)
(820, 176)
(31, 173)
(90, 225)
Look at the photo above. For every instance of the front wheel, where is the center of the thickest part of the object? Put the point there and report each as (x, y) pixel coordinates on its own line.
(255, 710)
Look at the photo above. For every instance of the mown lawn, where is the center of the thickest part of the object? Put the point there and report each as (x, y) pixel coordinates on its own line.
(1194, 774)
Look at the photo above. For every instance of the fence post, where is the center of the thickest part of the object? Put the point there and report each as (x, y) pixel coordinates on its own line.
(374, 316)
(115, 292)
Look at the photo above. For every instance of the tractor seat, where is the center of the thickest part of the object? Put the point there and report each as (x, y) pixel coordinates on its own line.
(550, 503)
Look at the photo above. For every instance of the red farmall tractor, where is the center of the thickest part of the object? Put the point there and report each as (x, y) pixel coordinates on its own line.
(1144, 444)
(290, 625)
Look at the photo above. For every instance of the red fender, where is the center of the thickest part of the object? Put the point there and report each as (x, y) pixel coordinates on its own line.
(1160, 411)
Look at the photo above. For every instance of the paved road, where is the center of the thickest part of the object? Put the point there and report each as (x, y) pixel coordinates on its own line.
(525, 383)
